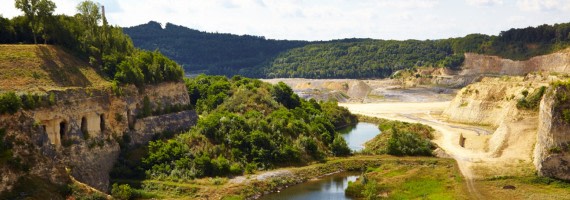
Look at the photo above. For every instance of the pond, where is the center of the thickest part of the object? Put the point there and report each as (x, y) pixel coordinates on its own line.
(359, 134)
(329, 187)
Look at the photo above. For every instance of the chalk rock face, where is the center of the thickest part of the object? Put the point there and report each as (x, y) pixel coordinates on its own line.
(490, 101)
(552, 153)
(81, 131)
(485, 64)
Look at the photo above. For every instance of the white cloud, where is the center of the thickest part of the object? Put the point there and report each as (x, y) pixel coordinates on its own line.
(544, 5)
(330, 19)
(408, 4)
(484, 2)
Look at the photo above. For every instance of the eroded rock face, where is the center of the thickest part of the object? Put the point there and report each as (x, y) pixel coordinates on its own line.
(484, 64)
(493, 102)
(81, 132)
(551, 154)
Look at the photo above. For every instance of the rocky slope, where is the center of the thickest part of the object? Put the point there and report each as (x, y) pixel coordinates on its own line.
(82, 120)
(82, 131)
(552, 153)
(476, 64)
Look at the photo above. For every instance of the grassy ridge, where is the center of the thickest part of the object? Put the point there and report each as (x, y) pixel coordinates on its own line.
(43, 68)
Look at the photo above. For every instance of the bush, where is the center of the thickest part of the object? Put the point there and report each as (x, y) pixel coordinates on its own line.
(408, 144)
(147, 107)
(10, 103)
(122, 192)
(339, 147)
(531, 102)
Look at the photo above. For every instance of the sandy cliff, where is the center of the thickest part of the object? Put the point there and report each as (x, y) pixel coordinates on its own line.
(475, 64)
(82, 130)
(552, 154)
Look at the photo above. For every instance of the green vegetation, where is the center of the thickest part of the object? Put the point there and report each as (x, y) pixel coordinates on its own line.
(533, 101)
(223, 54)
(122, 192)
(430, 179)
(400, 138)
(245, 125)
(32, 187)
(227, 54)
(89, 37)
(5, 148)
(10, 103)
(361, 58)
(562, 95)
(526, 186)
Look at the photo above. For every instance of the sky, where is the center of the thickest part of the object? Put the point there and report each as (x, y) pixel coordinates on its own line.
(331, 19)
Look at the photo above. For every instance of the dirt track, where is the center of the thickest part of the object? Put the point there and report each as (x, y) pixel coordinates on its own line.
(474, 160)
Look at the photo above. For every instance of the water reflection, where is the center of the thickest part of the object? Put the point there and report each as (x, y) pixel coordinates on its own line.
(356, 136)
(329, 188)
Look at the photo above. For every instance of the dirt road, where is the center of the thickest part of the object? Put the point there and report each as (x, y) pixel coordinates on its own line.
(473, 154)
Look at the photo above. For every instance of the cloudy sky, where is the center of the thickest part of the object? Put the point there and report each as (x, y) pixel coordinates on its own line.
(332, 19)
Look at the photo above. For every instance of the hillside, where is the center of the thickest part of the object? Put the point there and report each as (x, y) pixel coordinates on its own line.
(43, 68)
(252, 56)
(195, 50)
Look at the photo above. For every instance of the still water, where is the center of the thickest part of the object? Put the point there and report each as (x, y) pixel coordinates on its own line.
(326, 188)
(356, 136)
(330, 187)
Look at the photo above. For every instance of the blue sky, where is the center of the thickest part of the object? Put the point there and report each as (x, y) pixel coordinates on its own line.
(332, 19)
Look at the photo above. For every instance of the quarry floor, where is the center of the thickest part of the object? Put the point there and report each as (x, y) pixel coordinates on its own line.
(474, 160)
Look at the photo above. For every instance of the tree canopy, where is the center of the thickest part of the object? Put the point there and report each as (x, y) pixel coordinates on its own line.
(251, 56)
(88, 36)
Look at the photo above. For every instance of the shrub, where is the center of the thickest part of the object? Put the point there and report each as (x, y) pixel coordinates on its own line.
(531, 102)
(122, 192)
(370, 191)
(147, 107)
(566, 115)
(10, 103)
(339, 147)
(409, 144)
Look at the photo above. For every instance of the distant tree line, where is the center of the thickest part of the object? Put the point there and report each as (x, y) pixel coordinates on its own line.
(223, 54)
(88, 36)
(226, 54)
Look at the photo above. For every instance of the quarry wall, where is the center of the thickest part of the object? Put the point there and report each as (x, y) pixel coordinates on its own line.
(81, 132)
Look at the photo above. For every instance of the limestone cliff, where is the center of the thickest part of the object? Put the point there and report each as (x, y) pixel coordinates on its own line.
(81, 131)
(476, 64)
(492, 102)
(552, 154)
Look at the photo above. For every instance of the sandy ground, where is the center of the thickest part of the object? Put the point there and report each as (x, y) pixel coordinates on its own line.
(364, 91)
(475, 160)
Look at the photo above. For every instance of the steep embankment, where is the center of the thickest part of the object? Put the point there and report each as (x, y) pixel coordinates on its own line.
(552, 152)
(44, 67)
(477, 64)
(493, 102)
(72, 118)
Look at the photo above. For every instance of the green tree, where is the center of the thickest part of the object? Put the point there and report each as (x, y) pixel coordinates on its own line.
(122, 192)
(37, 12)
(90, 16)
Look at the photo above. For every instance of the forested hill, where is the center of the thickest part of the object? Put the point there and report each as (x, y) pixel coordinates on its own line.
(226, 54)
(217, 52)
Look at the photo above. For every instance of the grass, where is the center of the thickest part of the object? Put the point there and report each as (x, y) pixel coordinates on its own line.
(527, 187)
(36, 68)
(221, 188)
(430, 179)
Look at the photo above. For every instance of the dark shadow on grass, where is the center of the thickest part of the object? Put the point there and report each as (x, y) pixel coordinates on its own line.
(64, 76)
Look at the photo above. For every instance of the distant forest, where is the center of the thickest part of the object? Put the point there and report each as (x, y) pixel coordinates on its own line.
(253, 56)
(215, 52)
